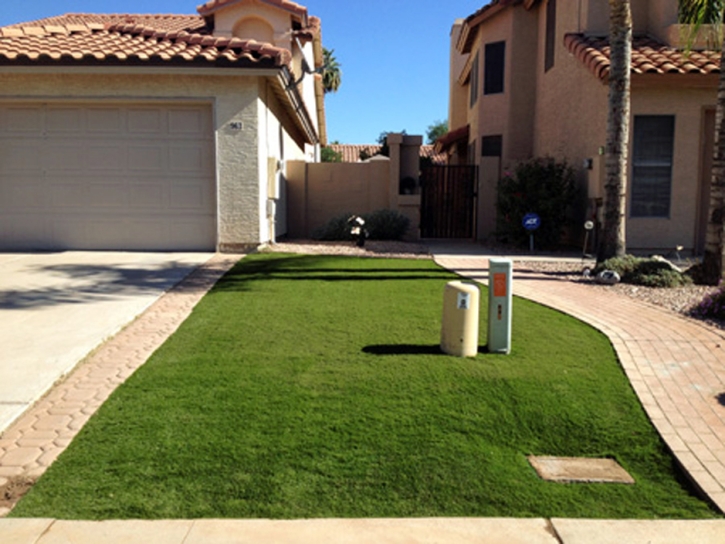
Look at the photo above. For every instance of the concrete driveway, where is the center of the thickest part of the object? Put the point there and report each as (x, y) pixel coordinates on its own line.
(55, 308)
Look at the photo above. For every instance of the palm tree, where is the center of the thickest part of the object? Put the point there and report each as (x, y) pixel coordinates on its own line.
(613, 243)
(331, 73)
(698, 13)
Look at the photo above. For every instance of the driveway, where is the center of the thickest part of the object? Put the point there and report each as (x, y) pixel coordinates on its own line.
(55, 308)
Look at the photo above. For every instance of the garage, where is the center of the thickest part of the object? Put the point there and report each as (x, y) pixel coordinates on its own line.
(107, 176)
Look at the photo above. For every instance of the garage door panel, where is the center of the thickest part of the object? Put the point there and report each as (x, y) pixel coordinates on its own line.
(189, 159)
(184, 123)
(28, 194)
(150, 157)
(107, 177)
(104, 158)
(146, 196)
(20, 120)
(64, 120)
(146, 121)
(108, 196)
(22, 231)
(104, 121)
(20, 157)
(63, 157)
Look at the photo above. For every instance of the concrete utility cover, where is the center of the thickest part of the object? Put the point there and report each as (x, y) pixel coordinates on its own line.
(580, 470)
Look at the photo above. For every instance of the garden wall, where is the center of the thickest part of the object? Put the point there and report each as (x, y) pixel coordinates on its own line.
(317, 192)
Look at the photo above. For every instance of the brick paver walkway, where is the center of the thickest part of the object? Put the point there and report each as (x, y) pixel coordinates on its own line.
(34, 441)
(676, 365)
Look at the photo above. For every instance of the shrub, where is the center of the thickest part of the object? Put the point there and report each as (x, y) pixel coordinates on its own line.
(542, 186)
(652, 272)
(335, 229)
(380, 224)
(712, 306)
(386, 224)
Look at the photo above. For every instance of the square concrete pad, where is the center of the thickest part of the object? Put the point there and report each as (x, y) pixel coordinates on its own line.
(377, 531)
(117, 532)
(582, 531)
(580, 470)
(23, 531)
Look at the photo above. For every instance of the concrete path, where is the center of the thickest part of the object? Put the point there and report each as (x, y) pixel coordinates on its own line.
(676, 357)
(55, 308)
(363, 531)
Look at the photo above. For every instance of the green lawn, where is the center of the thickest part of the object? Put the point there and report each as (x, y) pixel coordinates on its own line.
(312, 386)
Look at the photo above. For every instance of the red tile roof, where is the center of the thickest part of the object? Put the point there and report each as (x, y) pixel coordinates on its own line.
(131, 39)
(451, 137)
(649, 56)
(351, 152)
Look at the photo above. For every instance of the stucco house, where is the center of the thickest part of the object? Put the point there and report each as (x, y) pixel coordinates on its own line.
(528, 78)
(156, 132)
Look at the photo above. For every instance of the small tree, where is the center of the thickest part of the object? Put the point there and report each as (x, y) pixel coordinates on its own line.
(541, 186)
(327, 154)
(435, 131)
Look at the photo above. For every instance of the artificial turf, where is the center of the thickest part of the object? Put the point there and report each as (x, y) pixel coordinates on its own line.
(313, 386)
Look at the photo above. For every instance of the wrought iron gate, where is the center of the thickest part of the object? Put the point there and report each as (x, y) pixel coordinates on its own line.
(448, 202)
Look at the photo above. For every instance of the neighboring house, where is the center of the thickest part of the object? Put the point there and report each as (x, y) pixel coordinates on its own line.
(156, 132)
(352, 152)
(529, 79)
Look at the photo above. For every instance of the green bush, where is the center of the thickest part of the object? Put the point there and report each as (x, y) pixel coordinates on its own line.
(542, 186)
(335, 229)
(380, 224)
(651, 272)
(386, 225)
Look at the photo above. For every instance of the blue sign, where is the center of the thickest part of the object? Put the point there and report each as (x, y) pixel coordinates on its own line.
(531, 221)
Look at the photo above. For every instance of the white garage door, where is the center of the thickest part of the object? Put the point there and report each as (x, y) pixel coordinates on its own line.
(107, 176)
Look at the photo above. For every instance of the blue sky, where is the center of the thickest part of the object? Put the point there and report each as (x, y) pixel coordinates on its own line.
(393, 53)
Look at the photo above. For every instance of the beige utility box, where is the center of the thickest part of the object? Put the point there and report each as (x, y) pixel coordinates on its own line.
(459, 329)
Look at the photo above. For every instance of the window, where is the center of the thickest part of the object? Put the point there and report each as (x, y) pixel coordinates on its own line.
(491, 146)
(474, 81)
(494, 68)
(652, 165)
(550, 45)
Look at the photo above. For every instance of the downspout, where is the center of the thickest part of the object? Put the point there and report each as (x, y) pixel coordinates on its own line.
(289, 85)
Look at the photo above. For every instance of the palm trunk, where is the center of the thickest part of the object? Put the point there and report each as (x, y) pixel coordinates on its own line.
(620, 41)
(712, 264)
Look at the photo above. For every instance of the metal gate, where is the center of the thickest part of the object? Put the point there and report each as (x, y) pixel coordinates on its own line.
(448, 202)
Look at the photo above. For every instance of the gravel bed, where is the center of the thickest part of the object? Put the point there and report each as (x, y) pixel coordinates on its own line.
(678, 299)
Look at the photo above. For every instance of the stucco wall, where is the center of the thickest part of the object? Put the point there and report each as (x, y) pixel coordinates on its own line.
(317, 192)
(236, 124)
(686, 104)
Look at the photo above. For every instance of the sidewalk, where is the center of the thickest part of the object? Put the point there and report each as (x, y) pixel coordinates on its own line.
(676, 366)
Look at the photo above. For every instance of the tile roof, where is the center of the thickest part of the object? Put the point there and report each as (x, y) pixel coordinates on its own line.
(451, 137)
(649, 56)
(351, 152)
(131, 40)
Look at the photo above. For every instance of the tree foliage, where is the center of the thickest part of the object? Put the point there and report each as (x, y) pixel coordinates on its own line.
(545, 187)
(331, 71)
(435, 131)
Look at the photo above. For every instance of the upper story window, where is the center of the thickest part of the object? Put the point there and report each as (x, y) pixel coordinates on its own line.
(550, 45)
(474, 81)
(652, 153)
(495, 56)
